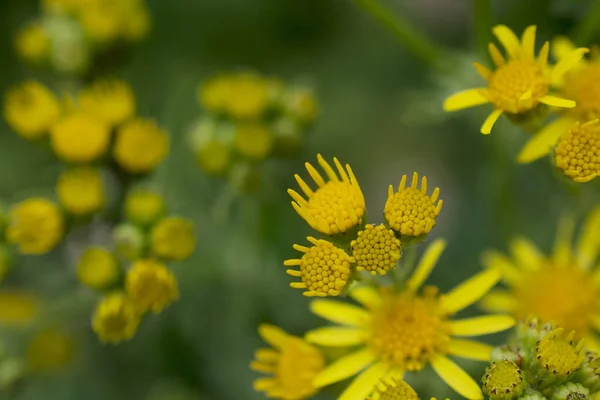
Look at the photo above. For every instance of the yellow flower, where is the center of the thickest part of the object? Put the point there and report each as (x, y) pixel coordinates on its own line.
(101, 22)
(518, 84)
(111, 100)
(324, 268)
(116, 319)
(80, 138)
(394, 389)
(144, 206)
(562, 288)
(136, 23)
(336, 206)
(49, 350)
(173, 238)
(35, 226)
(215, 93)
(578, 152)
(30, 109)
(17, 308)
(80, 190)
(559, 356)
(249, 97)
(406, 330)
(376, 249)
(504, 380)
(151, 286)
(214, 157)
(140, 146)
(254, 141)
(32, 43)
(292, 362)
(410, 211)
(97, 268)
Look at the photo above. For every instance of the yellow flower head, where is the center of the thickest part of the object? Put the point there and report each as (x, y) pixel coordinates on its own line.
(116, 319)
(503, 380)
(30, 109)
(394, 389)
(111, 100)
(406, 330)
(559, 356)
(144, 206)
(520, 82)
(80, 138)
(249, 97)
(98, 268)
(136, 23)
(80, 190)
(376, 249)
(411, 211)
(214, 157)
(215, 93)
(49, 350)
(254, 141)
(173, 238)
(578, 152)
(140, 146)
(151, 286)
(292, 364)
(101, 22)
(324, 268)
(337, 205)
(35, 226)
(32, 43)
(560, 288)
(18, 308)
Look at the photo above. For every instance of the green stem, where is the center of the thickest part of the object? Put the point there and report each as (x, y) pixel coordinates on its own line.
(586, 30)
(482, 20)
(418, 44)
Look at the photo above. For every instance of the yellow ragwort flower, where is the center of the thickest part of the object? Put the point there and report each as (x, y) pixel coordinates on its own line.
(80, 190)
(411, 211)
(215, 93)
(519, 83)
(18, 308)
(324, 268)
(111, 100)
(503, 380)
(101, 22)
(249, 97)
(376, 249)
(293, 363)
(337, 205)
(144, 206)
(559, 356)
(98, 268)
(116, 319)
(407, 330)
(32, 43)
(35, 226)
(562, 288)
(214, 157)
(49, 350)
(393, 389)
(30, 109)
(80, 138)
(151, 286)
(173, 238)
(254, 141)
(578, 151)
(140, 146)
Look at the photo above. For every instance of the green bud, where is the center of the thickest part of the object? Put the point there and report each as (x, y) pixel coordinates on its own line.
(129, 241)
(11, 371)
(530, 330)
(571, 391)
(288, 138)
(503, 380)
(588, 373)
(506, 352)
(532, 120)
(532, 394)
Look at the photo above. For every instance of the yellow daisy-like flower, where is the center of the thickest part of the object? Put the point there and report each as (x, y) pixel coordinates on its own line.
(116, 319)
(411, 211)
(144, 206)
(254, 141)
(578, 152)
(337, 205)
(393, 389)
(140, 146)
(98, 268)
(376, 249)
(111, 100)
(32, 43)
(293, 364)
(30, 109)
(18, 308)
(35, 226)
(249, 97)
(324, 268)
(80, 190)
(562, 288)
(49, 350)
(80, 138)
(151, 286)
(406, 330)
(519, 83)
(173, 238)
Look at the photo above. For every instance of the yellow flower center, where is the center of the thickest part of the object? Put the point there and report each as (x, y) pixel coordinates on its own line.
(80, 138)
(583, 86)
(578, 152)
(35, 225)
(32, 42)
(80, 190)
(97, 268)
(110, 100)
(397, 389)
(140, 146)
(411, 212)
(510, 83)
(328, 206)
(116, 319)
(376, 249)
(214, 157)
(30, 109)
(173, 238)
(503, 380)
(557, 355)
(144, 206)
(409, 330)
(151, 286)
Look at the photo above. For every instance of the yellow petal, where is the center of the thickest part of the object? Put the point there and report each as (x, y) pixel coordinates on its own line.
(499, 301)
(262, 384)
(342, 313)
(327, 168)
(483, 71)
(509, 40)
(344, 367)
(544, 141)
(562, 46)
(273, 335)
(589, 240)
(555, 101)
(564, 240)
(568, 62)
(470, 349)
(528, 43)
(489, 122)
(496, 55)
(428, 261)
(481, 325)
(368, 296)
(494, 260)
(335, 336)
(526, 253)
(363, 385)
(456, 378)
(465, 99)
(314, 174)
(470, 291)
(543, 57)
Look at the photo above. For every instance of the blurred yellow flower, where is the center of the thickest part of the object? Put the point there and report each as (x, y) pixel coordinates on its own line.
(32, 43)
(60, 6)
(376, 249)
(80, 138)
(49, 350)
(101, 22)
(35, 226)
(214, 94)
(249, 96)
(520, 83)
(578, 151)
(173, 238)
(98, 268)
(136, 23)
(292, 364)
(405, 331)
(151, 286)
(214, 157)
(116, 319)
(144, 206)
(140, 146)
(254, 141)
(30, 109)
(17, 308)
(111, 100)
(80, 190)
(393, 389)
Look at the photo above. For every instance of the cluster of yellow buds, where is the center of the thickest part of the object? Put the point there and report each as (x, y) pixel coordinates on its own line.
(247, 119)
(73, 36)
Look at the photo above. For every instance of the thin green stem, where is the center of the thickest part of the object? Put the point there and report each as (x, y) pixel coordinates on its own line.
(482, 21)
(586, 30)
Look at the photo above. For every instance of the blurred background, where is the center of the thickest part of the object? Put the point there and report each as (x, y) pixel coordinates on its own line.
(380, 111)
